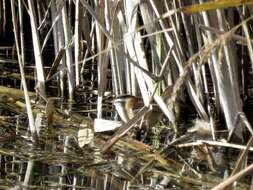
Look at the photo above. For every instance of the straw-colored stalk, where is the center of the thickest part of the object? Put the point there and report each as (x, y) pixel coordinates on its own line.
(69, 61)
(37, 50)
(77, 19)
(27, 99)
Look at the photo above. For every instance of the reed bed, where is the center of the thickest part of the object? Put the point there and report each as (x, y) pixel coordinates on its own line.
(129, 94)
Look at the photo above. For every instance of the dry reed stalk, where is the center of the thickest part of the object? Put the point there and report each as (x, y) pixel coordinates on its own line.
(37, 49)
(69, 60)
(27, 99)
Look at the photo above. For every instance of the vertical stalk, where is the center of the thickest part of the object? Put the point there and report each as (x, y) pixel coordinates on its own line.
(27, 99)
(37, 50)
(225, 91)
(102, 66)
(59, 43)
(4, 17)
(77, 16)
(116, 58)
(69, 61)
(21, 28)
(28, 173)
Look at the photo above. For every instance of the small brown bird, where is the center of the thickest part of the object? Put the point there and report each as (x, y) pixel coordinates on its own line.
(127, 106)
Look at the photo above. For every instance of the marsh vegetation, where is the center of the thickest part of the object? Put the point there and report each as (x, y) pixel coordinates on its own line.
(126, 94)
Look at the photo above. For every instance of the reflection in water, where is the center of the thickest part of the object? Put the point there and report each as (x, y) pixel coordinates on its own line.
(67, 156)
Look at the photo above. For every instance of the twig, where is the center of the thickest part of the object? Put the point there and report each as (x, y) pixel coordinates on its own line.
(213, 143)
(232, 179)
(124, 129)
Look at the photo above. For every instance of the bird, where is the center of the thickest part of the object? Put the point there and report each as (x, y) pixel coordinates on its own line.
(128, 105)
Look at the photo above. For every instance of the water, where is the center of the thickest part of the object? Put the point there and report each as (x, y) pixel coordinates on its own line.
(57, 161)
